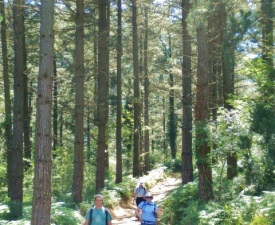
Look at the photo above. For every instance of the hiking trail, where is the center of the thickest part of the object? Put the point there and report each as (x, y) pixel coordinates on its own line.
(125, 215)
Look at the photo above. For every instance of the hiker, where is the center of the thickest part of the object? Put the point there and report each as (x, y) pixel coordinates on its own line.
(139, 193)
(98, 215)
(147, 211)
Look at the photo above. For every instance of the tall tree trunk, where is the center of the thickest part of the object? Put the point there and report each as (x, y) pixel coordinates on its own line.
(8, 120)
(88, 132)
(55, 107)
(141, 76)
(107, 164)
(146, 96)
(221, 25)
(267, 18)
(41, 209)
(136, 159)
(164, 143)
(211, 61)
(119, 95)
(267, 11)
(172, 116)
(103, 91)
(17, 138)
(26, 108)
(61, 128)
(187, 165)
(77, 185)
(228, 90)
(201, 118)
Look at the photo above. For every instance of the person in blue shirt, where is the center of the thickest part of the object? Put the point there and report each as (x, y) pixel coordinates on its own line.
(99, 213)
(147, 211)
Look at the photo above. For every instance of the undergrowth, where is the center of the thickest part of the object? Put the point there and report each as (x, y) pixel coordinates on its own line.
(182, 207)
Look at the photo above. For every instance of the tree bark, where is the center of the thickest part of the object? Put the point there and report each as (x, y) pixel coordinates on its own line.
(41, 209)
(172, 122)
(103, 92)
(146, 96)
(55, 108)
(78, 174)
(26, 107)
(8, 119)
(267, 11)
(201, 118)
(187, 165)
(136, 159)
(228, 91)
(119, 97)
(18, 116)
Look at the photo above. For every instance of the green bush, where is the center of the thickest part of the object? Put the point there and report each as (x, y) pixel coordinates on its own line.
(174, 165)
(181, 206)
(64, 216)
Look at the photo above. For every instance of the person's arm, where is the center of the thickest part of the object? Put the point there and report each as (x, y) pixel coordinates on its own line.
(156, 214)
(135, 194)
(138, 213)
(87, 217)
(109, 218)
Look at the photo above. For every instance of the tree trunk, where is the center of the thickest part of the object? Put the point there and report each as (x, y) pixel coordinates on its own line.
(146, 97)
(230, 42)
(103, 92)
(201, 118)
(172, 116)
(55, 108)
(228, 90)
(221, 26)
(8, 121)
(26, 108)
(119, 97)
(267, 10)
(17, 138)
(187, 165)
(77, 185)
(41, 209)
(136, 160)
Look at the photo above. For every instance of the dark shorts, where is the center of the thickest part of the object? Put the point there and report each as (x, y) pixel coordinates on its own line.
(144, 222)
(139, 200)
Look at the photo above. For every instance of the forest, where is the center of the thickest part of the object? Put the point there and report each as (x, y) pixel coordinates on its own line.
(95, 94)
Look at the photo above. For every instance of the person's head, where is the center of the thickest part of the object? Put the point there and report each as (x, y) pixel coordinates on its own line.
(140, 184)
(98, 201)
(148, 196)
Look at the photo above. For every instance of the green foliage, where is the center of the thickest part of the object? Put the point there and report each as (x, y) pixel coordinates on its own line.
(263, 121)
(174, 165)
(125, 189)
(3, 180)
(181, 206)
(62, 173)
(64, 216)
(244, 209)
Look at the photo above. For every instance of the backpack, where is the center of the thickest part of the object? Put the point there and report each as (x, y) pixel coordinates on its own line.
(106, 215)
(144, 205)
(144, 189)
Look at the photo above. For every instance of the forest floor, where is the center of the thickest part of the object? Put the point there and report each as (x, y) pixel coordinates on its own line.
(125, 215)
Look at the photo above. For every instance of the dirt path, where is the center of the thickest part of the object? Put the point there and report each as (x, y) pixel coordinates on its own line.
(126, 215)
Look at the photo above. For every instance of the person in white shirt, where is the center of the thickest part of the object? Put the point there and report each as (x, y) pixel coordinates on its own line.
(139, 193)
